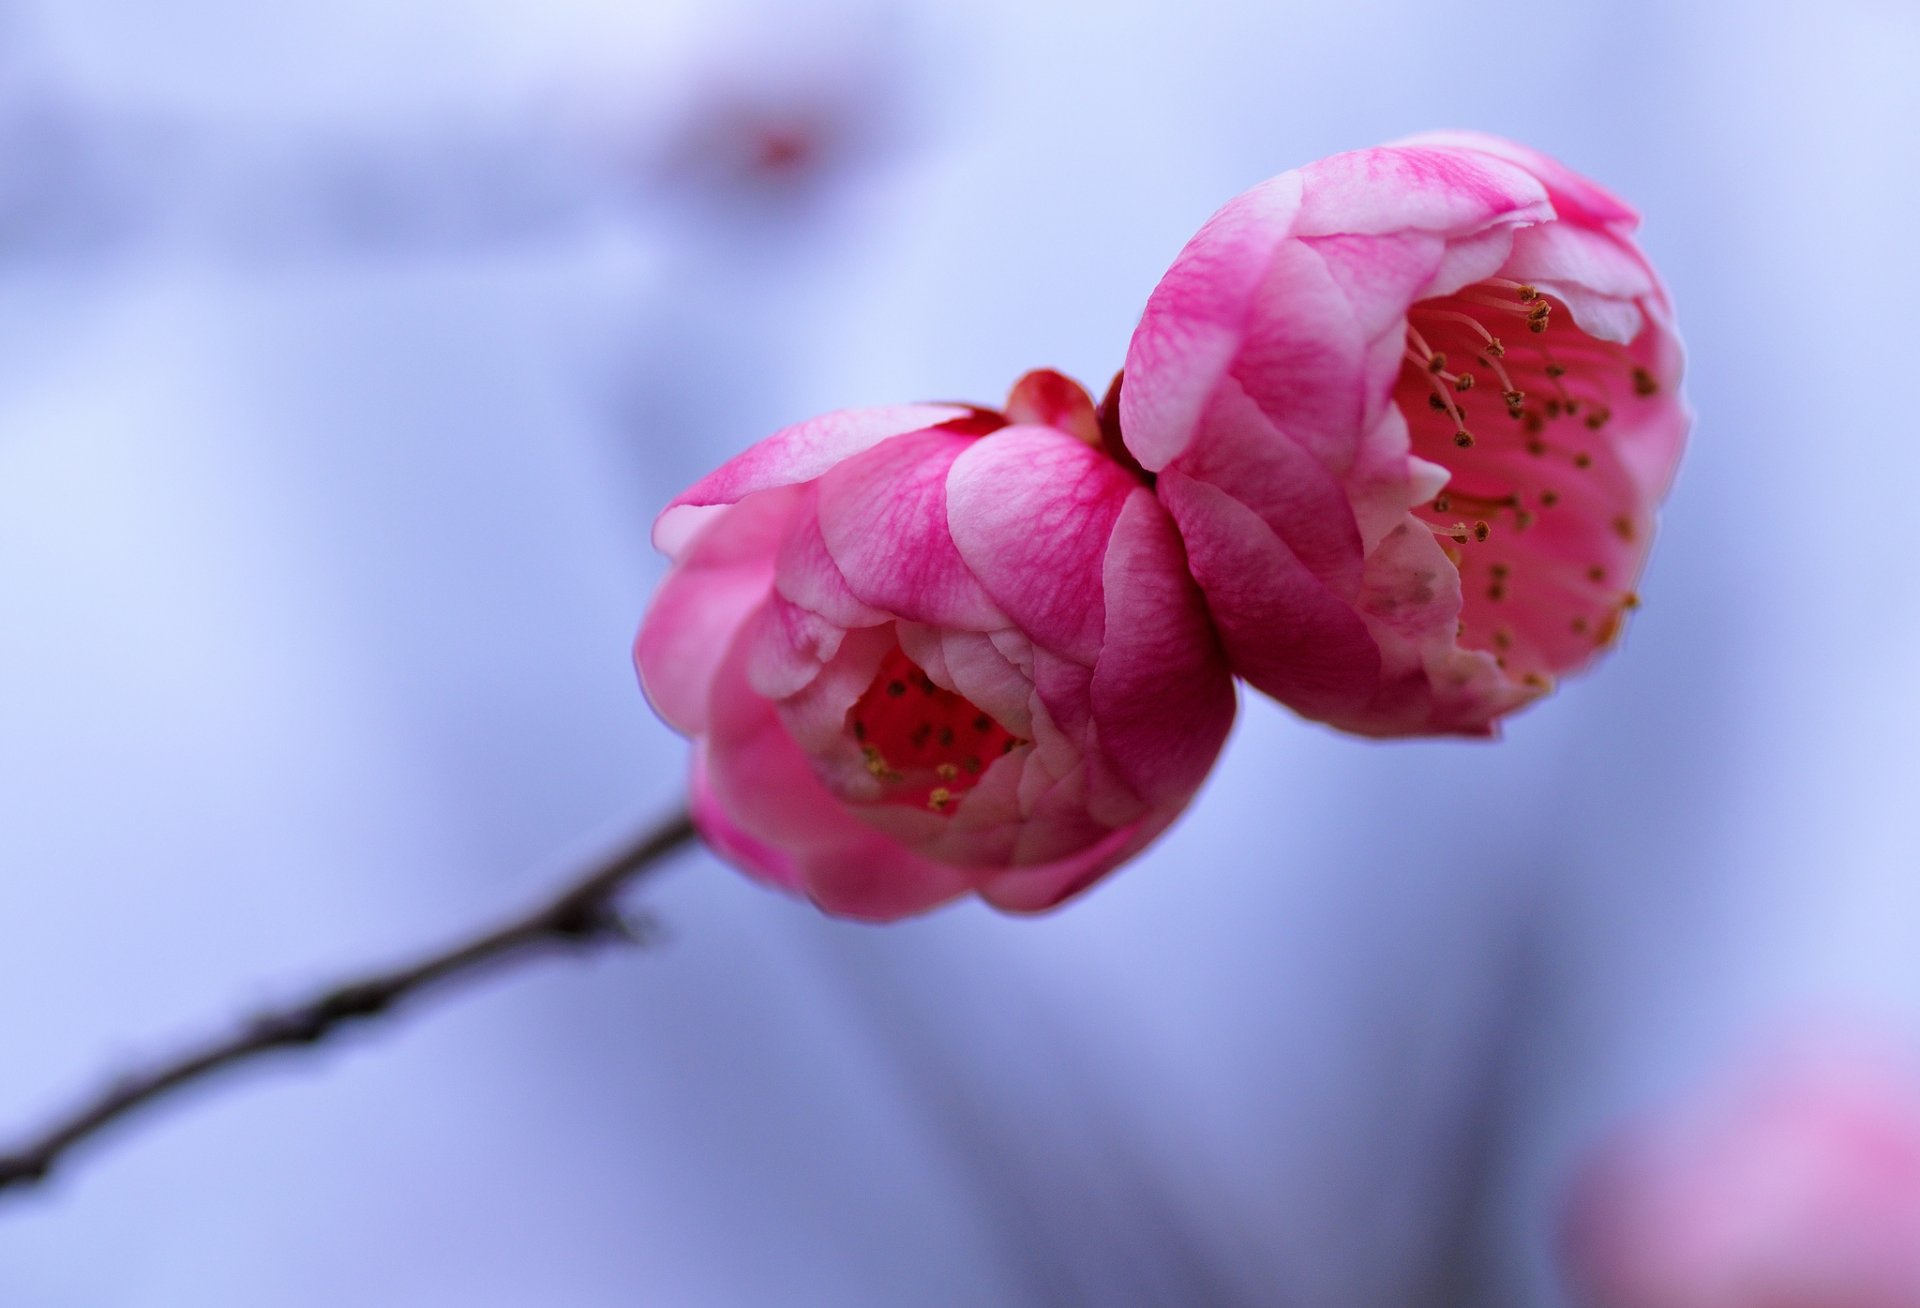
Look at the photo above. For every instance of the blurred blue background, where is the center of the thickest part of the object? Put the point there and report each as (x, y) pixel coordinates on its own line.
(346, 352)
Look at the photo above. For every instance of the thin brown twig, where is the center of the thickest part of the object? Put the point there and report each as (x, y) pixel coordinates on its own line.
(582, 913)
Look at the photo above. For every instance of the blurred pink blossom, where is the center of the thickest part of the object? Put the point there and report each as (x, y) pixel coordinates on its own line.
(1412, 408)
(1798, 1187)
(934, 649)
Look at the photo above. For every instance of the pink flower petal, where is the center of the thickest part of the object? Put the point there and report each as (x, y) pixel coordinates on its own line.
(793, 455)
(1044, 398)
(1196, 318)
(762, 795)
(883, 516)
(1162, 695)
(1281, 627)
(1030, 510)
(1575, 198)
(722, 576)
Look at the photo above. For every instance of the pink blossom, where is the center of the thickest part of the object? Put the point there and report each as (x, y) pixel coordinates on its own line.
(1412, 408)
(933, 649)
(1797, 1188)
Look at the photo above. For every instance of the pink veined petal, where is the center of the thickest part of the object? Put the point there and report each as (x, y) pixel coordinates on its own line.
(1045, 398)
(1290, 490)
(883, 516)
(722, 576)
(792, 455)
(1196, 317)
(1575, 198)
(1468, 259)
(1595, 273)
(1309, 354)
(1390, 189)
(789, 646)
(1411, 603)
(1030, 510)
(749, 853)
(761, 783)
(1040, 889)
(805, 573)
(1163, 699)
(1649, 443)
(1282, 628)
(969, 663)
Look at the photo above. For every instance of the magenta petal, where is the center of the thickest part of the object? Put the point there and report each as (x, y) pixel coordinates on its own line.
(721, 577)
(883, 516)
(1392, 189)
(1045, 398)
(1049, 885)
(1575, 198)
(1289, 489)
(727, 838)
(806, 575)
(1162, 694)
(761, 783)
(1196, 319)
(1030, 510)
(793, 455)
(1283, 630)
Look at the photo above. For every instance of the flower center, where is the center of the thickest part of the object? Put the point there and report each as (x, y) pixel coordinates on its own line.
(1499, 387)
(926, 745)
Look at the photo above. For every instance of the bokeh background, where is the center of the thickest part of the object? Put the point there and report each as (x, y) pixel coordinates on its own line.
(347, 350)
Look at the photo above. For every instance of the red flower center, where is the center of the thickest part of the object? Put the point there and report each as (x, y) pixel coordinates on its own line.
(925, 744)
(1499, 387)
